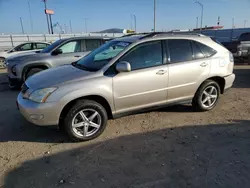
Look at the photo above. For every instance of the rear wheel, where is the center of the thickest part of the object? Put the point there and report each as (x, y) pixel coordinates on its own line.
(207, 96)
(86, 120)
(32, 71)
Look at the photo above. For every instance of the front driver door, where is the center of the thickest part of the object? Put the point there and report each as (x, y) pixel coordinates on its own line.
(71, 52)
(146, 84)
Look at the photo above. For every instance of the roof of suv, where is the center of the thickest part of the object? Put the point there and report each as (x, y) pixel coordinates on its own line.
(135, 37)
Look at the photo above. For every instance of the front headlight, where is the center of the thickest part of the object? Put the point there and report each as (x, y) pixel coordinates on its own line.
(41, 95)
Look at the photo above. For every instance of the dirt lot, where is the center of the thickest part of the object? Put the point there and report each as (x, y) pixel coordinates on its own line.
(171, 147)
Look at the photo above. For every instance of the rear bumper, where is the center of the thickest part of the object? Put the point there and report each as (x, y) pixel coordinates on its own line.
(229, 80)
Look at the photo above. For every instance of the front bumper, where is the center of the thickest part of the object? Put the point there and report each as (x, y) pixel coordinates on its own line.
(42, 114)
(241, 54)
(229, 80)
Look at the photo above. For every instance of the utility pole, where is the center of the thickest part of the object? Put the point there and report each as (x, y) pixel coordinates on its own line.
(245, 22)
(31, 20)
(65, 29)
(21, 22)
(134, 18)
(47, 17)
(86, 27)
(131, 22)
(51, 24)
(70, 26)
(233, 23)
(201, 5)
(154, 14)
(197, 22)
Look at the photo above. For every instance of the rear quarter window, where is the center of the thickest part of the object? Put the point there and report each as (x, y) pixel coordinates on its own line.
(206, 50)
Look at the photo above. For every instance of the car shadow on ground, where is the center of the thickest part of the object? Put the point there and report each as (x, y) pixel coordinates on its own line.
(190, 156)
(242, 79)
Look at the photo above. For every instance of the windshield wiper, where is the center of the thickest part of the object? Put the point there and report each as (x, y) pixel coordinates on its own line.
(75, 64)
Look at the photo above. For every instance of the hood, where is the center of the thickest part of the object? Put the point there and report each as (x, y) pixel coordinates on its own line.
(28, 57)
(57, 76)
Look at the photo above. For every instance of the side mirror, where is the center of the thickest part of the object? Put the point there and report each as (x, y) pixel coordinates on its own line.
(57, 51)
(123, 66)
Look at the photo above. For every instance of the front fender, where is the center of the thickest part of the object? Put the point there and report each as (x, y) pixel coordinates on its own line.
(33, 65)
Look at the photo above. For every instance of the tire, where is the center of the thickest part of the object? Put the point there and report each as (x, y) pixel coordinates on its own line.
(2, 64)
(89, 108)
(202, 101)
(32, 71)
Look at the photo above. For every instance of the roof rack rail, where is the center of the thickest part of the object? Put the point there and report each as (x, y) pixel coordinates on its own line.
(152, 34)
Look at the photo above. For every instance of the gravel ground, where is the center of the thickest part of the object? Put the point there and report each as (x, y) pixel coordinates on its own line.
(170, 147)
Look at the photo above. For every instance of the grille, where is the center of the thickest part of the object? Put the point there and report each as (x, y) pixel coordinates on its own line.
(24, 88)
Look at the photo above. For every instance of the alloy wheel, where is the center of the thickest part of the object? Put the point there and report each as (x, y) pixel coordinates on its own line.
(86, 122)
(209, 96)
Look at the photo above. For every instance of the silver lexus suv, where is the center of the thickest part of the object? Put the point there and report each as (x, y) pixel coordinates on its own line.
(127, 75)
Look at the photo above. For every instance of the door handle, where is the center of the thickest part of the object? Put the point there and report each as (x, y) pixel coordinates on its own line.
(204, 64)
(161, 72)
(77, 56)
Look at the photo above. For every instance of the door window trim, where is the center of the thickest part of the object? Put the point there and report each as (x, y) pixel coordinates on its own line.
(75, 40)
(162, 56)
(192, 45)
(169, 55)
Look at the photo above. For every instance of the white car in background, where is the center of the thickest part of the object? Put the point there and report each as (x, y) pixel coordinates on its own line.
(22, 48)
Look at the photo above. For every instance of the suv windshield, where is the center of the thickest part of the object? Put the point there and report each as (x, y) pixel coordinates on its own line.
(244, 37)
(101, 56)
(51, 47)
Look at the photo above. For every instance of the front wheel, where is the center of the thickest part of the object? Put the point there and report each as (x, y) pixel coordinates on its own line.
(207, 96)
(32, 71)
(86, 120)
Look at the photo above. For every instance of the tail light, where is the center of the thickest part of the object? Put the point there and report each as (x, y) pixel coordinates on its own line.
(231, 57)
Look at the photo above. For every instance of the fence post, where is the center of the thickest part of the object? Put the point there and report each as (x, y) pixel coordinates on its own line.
(28, 37)
(45, 37)
(11, 39)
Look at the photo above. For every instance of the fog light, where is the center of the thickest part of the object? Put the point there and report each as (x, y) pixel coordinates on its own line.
(36, 116)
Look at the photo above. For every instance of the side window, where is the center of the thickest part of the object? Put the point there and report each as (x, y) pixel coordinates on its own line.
(144, 55)
(71, 47)
(180, 50)
(92, 44)
(24, 47)
(197, 51)
(207, 51)
(40, 45)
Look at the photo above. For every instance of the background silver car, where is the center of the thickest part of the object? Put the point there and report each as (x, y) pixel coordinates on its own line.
(126, 75)
(21, 48)
(63, 51)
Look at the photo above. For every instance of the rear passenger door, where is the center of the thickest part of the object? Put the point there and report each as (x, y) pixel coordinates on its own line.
(188, 68)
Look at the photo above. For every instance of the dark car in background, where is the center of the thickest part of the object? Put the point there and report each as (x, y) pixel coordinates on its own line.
(240, 47)
(61, 52)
